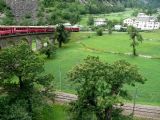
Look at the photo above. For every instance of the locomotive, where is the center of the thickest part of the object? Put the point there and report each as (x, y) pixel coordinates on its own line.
(13, 30)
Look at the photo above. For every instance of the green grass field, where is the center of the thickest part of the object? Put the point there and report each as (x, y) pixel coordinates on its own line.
(74, 53)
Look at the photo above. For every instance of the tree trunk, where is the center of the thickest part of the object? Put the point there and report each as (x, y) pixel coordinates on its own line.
(108, 113)
(134, 47)
(134, 50)
(21, 85)
(60, 44)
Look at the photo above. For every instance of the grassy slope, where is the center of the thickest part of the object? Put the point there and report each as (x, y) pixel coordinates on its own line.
(58, 112)
(55, 112)
(73, 53)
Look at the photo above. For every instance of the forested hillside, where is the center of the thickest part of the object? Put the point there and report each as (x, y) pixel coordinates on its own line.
(51, 12)
(6, 16)
(55, 11)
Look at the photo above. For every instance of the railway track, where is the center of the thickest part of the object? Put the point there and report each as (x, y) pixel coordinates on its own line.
(144, 111)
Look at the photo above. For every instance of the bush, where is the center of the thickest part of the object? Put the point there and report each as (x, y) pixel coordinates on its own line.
(99, 32)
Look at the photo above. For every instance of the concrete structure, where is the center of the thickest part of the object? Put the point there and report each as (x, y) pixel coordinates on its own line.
(143, 22)
(38, 39)
(100, 21)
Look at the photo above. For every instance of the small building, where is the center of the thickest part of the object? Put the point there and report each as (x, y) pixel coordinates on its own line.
(117, 27)
(67, 24)
(100, 21)
(143, 22)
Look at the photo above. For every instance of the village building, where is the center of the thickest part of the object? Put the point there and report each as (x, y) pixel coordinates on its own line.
(117, 27)
(143, 22)
(100, 21)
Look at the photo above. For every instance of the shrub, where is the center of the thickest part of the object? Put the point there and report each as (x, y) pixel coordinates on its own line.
(99, 32)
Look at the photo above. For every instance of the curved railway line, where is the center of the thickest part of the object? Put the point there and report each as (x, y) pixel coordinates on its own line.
(144, 111)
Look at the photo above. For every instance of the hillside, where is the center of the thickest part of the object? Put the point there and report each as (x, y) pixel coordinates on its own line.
(51, 12)
(6, 16)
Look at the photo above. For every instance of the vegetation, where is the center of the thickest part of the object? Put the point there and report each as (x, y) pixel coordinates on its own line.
(135, 37)
(59, 11)
(110, 27)
(110, 48)
(62, 35)
(23, 85)
(99, 32)
(8, 18)
(100, 87)
(90, 21)
(49, 50)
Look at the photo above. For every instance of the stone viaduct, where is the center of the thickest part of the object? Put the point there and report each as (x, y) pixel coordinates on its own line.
(36, 41)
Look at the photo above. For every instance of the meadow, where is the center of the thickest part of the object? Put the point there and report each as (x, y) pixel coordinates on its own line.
(105, 46)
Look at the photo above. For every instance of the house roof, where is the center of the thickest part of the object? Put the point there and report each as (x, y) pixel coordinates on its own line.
(100, 20)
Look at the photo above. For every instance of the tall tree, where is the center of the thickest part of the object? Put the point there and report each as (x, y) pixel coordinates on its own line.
(90, 21)
(110, 26)
(100, 87)
(62, 35)
(21, 75)
(135, 37)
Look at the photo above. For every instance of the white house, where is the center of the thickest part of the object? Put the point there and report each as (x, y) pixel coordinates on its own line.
(117, 27)
(143, 22)
(100, 21)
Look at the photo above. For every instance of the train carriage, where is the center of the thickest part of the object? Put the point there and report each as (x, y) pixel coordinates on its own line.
(13, 30)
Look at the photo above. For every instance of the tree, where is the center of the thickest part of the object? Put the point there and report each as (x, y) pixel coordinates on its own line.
(90, 21)
(158, 17)
(74, 18)
(110, 26)
(100, 87)
(99, 32)
(62, 35)
(135, 37)
(49, 50)
(21, 76)
(13, 110)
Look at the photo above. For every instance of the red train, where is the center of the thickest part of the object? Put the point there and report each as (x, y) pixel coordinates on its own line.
(12, 30)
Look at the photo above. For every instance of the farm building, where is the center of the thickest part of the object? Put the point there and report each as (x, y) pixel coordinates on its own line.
(100, 21)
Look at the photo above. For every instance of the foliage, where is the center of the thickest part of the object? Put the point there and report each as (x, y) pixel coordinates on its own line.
(8, 18)
(62, 35)
(135, 37)
(99, 32)
(135, 13)
(110, 26)
(100, 86)
(22, 78)
(61, 11)
(13, 110)
(57, 11)
(90, 21)
(49, 50)
(158, 17)
(3, 6)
